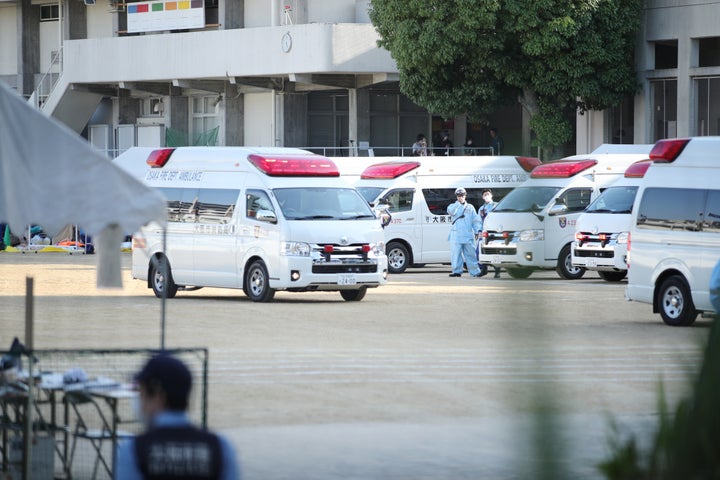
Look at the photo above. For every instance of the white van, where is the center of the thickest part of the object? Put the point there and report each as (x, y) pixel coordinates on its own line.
(533, 226)
(675, 232)
(601, 232)
(417, 193)
(260, 219)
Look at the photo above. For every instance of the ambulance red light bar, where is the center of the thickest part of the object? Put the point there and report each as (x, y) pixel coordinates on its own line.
(294, 165)
(158, 158)
(638, 169)
(389, 169)
(528, 163)
(562, 168)
(668, 150)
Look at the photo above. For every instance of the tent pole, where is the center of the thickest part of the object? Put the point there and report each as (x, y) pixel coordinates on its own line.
(165, 271)
(29, 346)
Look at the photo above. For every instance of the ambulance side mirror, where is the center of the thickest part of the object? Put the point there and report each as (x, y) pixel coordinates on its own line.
(558, 209)
(266, 216)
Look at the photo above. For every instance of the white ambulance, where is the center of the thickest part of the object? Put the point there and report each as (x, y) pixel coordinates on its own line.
(675, 230)
(601, 232)
(533, 227)
(260, 219)
(417, 193)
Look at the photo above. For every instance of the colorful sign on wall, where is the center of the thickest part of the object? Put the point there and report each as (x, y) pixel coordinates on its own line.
(165, 15)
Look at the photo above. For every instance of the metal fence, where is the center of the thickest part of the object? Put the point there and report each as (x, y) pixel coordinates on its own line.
(81, 405)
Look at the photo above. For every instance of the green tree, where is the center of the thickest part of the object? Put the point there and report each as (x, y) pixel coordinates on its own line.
(552, 56)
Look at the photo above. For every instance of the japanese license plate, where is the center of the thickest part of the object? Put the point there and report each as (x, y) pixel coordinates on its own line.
(346, 279)
(592, 262)
(496, 259)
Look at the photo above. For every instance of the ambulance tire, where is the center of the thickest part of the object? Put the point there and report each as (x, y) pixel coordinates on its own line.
(519, 272)
(565, 267)
(613, 276)
(257, 283)
(398, 257)
(675, 302)
(353, 295)
(158, 280)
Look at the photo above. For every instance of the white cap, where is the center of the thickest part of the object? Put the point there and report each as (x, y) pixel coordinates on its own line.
(460, 191)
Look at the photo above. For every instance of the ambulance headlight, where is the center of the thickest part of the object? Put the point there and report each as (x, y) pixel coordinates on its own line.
(622, 237)
(296, 249)
(532, 235)
(378, 248)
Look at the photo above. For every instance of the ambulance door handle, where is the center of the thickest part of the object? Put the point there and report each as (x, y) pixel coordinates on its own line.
(410, 219)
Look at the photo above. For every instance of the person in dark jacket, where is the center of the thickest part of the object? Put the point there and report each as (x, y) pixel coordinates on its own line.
(171, 447)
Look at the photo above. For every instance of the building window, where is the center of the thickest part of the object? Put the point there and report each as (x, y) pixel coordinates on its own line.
(49, 13)
(205, 123)
(328, 123)
(620, 122)
(664, 95)
(708, 106)
(709, 52)
(666, 54)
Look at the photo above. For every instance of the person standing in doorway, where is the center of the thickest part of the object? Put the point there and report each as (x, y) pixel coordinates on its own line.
(496, 141)
(172, 448)
(483, 212)
(463, 233)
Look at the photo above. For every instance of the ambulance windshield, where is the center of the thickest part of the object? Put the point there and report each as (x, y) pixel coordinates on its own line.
(614, 200)
(320, 203)
(526, 199)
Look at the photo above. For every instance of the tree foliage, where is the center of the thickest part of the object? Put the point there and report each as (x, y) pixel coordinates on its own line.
(473, 56)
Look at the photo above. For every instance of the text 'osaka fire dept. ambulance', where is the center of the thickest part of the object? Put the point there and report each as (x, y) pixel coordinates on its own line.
(416, 193)
(260, 219)
(601, 232)
(534, 225)
(675, 230)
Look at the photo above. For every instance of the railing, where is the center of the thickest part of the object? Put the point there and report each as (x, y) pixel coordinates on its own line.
(48, 81)
(401, 151)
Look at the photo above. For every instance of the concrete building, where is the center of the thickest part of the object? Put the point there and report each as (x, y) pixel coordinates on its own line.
(678, 64)
(305, 73)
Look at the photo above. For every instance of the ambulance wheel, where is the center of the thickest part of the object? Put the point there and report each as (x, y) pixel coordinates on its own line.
(565, 268)
(159, 282)
(257, 283)
(613, 276)
(354, 295)
(675, 302)
(398, 257)
(519, 272)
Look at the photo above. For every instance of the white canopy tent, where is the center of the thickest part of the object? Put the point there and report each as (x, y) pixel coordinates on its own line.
(51, 177)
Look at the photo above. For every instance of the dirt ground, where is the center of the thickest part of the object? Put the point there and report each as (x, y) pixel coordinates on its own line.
(427, 377)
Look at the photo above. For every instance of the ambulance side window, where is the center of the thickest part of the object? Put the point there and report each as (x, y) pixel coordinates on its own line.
(257, 200)
(216, 205)
(182, 204)
(575, 199)
(438, 199)
(400, 200)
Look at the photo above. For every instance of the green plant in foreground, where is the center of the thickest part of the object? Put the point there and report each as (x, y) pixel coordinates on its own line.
(687, 444)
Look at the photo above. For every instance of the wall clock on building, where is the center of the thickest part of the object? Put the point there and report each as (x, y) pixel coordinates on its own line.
(286, 42)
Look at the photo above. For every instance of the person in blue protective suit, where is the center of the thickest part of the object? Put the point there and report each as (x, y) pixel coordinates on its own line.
(483, 211)
(172, 447)
(715, 288)
(463, 233)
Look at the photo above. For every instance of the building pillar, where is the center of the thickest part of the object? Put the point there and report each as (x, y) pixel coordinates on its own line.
(685, 104)
(28, 55)
(234, 116)
(231, 14)
(352, 122)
